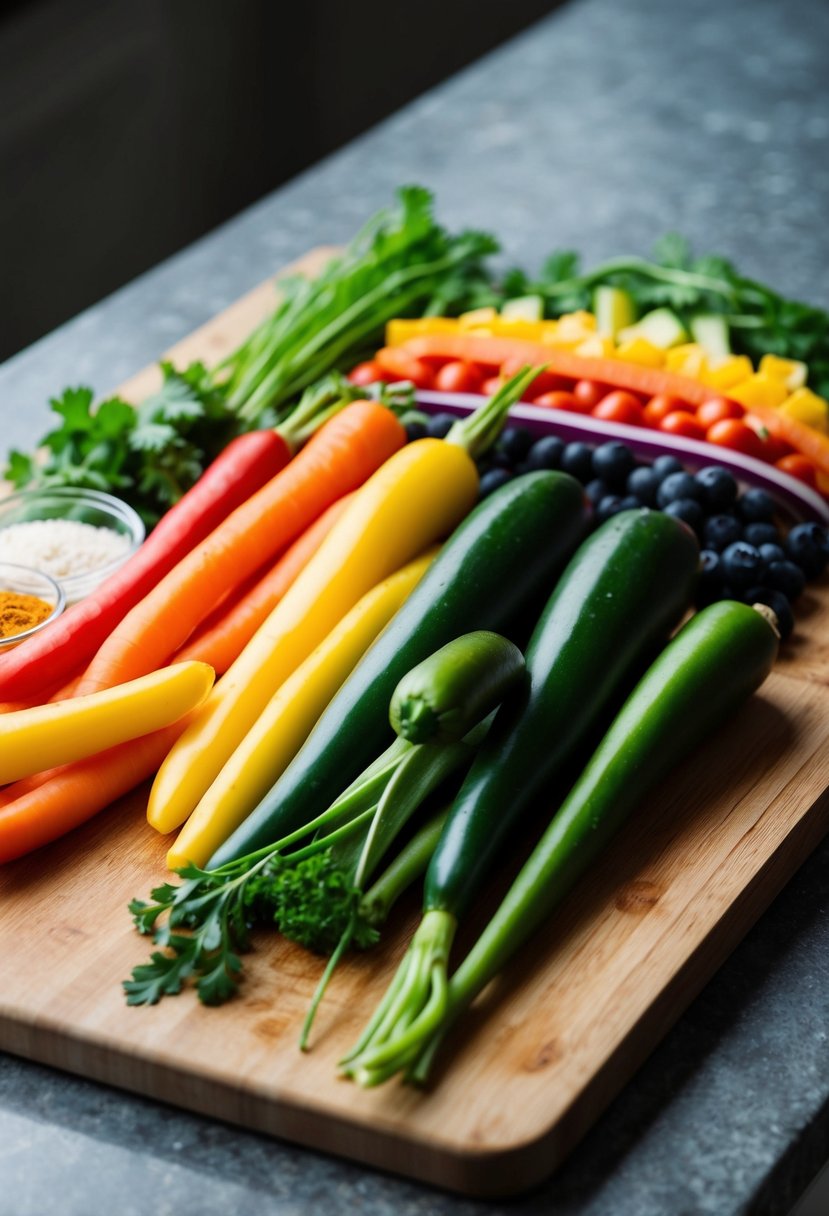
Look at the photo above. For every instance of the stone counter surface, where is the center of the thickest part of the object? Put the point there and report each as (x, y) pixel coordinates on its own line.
(599, 129)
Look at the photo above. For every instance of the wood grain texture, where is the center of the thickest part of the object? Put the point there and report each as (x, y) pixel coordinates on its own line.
(545, 1048)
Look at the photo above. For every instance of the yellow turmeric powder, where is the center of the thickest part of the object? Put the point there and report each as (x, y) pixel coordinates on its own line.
(19, 612)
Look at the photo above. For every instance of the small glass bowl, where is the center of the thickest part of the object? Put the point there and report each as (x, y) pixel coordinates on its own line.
(27, 581)
(88, 507)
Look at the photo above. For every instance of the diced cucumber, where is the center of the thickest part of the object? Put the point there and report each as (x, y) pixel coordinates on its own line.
(710, 330)
(614, 310)
(661, 328)
(523, 308)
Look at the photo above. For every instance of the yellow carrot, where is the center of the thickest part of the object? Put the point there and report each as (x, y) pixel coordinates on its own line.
(61, 732)
(287, 720)
(418, 496)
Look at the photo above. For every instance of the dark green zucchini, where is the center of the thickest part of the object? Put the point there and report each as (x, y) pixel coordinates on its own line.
(618, 599)
(696, 684)
(504, 556)
(442, 698)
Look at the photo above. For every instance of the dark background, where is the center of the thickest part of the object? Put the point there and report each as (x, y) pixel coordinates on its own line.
(129, 129)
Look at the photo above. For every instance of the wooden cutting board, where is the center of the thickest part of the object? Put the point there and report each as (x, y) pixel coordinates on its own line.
(548, 1045)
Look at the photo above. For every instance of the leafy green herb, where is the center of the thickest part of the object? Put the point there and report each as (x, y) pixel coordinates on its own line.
(401, 264)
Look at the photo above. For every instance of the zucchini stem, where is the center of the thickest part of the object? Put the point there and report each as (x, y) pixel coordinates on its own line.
(413, 1008)
(477, 432)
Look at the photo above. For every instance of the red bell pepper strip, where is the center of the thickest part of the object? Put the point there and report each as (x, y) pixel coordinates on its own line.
(494, 352)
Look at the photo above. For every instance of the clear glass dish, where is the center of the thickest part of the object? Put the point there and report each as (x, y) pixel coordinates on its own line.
(27, 581)
(87, 506)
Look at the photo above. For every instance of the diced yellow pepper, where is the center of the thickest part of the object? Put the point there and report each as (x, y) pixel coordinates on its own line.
(689, 359)
(792, 372)
(526, 331)
(477, 318)
(401, 330)
(728, 372)
(808, 407)
(596, 347)
(759, 389)
(582, 322)
(640, 350)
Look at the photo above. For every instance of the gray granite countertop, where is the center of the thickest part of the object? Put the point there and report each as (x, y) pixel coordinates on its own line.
(600, 128)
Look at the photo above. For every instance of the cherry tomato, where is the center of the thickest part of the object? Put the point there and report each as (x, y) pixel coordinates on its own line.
(620, 407)
(774, 448)
(588, 394)
(398, 364)
(558, 400)
(366, 373)
(545, 382)
(458, 377)
(731, 433)
(799, 466)
(680, 422)
(660, 406)
(718, 409)
(490, 387)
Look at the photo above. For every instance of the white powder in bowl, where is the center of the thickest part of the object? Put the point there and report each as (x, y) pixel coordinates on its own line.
(61, 547)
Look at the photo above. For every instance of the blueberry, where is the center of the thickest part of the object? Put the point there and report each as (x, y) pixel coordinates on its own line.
(499, 460)
(719, 489)
(720, 531)
(663, 466)
(613, 462)
(709, 585)
(771, 553)
(806, 545)
(759, 534)
(596, 490)
(778, 603)
(610, 505)
(687, 510)
(630, 503)
(741, 564)
(786, 577)
(756, 506)
(439, 425)
(492, 480)
(514, 442)
(577, 460)
(678, 485)
(415, 429)
(643, 484)
(546, 453)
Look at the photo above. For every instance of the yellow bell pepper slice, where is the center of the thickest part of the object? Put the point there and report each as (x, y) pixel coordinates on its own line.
(415, 499)
(640, 350)
(288, 718)
(477, 317)
(402, 329)
(728, 372)
(596, 347)
(759, 389)
(792, 372)
(46, 736)
(808, 407)
(687, 360)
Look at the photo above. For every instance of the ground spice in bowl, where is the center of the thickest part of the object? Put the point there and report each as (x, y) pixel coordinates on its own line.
(19, 612)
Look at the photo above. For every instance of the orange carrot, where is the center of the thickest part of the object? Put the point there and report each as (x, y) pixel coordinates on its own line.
(222, 637)
(39, 809)
(337, 459)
